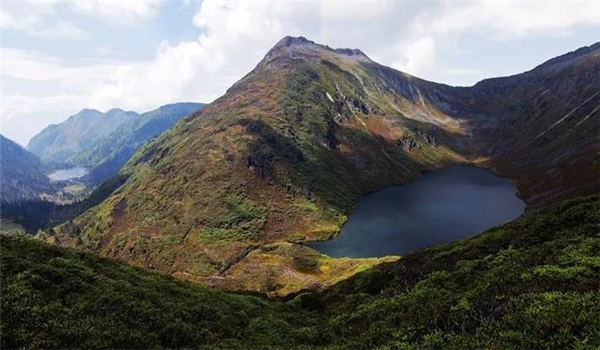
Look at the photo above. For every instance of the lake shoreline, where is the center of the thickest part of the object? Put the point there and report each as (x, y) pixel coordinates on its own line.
(489, 200)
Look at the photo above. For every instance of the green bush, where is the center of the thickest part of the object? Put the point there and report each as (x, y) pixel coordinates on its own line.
(532, 283)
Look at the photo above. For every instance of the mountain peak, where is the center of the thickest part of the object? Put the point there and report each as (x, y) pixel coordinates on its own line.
(294, 40)
(297, 47)
(87, 111)
(115, 110)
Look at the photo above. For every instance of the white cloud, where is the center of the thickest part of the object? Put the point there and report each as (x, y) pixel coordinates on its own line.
(416, 55)
(499, 20)
(120, 13)
(62, 30)
(353, 10)
(18, 105)
(235, 35)
(30, 18)
(509, 20)
(37, 67)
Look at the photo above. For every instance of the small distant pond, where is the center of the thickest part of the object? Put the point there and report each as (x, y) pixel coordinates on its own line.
(68, 174)
(438, 207)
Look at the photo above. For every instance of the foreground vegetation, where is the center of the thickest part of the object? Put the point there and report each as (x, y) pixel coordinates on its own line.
(532, 283)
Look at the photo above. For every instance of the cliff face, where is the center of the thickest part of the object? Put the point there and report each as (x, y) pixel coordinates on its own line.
(541, 127)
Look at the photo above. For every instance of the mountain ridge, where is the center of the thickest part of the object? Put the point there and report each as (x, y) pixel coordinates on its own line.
(110, 152)
(57, 143)
(283, 155)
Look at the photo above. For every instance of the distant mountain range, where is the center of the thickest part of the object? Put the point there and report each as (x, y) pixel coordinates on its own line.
(285, 153)
(109, 153)
(59, 143)
(22, 174)
(34, 201)
(104, 142)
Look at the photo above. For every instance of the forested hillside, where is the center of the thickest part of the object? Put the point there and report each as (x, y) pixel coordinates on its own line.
(22, 174)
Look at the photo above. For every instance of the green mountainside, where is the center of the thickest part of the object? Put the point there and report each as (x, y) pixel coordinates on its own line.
(104, 157)
(109, 153)
(57, 143)
(280, 158)
(531, 283)
(22, 174)
(223, 196)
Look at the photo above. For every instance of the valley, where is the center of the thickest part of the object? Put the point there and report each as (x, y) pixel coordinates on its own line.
(203, 175)
(224, 197)
(531, 283)
(232, 196)
(67, 174)
(74, 162)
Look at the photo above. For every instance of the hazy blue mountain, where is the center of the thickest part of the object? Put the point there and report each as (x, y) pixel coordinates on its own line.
(58, 143)
(22, 174)
(109, 153)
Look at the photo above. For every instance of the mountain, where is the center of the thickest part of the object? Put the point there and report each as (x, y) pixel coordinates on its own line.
(104, 141)
(541, 128)
(57, 143)
(109, 153)
(22, 174)
(225, 195)
(532, 283)
(280, 158)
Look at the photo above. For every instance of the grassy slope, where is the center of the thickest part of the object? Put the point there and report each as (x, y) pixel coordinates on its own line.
(527, 284)
(8, 226)
(530, 283)
(284, 154)
(55, 298)
(264, 164)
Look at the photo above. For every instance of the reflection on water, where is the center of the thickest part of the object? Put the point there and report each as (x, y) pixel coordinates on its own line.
(439, 207)
(68, 174)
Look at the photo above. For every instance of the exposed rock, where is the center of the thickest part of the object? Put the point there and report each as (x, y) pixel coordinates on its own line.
(415, 141)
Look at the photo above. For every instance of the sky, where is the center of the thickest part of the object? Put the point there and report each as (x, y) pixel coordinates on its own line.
(58, 57)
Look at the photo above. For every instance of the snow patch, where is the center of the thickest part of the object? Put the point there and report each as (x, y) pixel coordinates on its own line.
(329, 97)
(565, 117)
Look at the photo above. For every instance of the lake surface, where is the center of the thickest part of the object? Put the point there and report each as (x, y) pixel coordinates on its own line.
(438, 207)
(68, 174)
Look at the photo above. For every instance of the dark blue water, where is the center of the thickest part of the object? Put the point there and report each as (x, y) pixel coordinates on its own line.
(438, 207)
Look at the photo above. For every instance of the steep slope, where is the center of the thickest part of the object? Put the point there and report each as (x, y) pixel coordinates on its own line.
(532, 283)
(109, 153)
(22, 174)
(541, 127)
(55, 298)
(284, 154)
(59, 142)
(281, 157)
